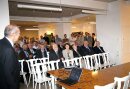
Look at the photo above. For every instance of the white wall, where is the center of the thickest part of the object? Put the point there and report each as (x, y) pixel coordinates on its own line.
(109, 31)
(4, 16)
(63, 28)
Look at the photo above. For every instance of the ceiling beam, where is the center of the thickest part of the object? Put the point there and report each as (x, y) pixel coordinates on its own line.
(84, 4)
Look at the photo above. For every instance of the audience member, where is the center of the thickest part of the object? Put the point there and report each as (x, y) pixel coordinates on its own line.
(86, 49)
(42, 52)
(88, 38)
(76, 51)
(65, 39)
(55, 53)
(98, 49)
(67, 52)
(46, 38)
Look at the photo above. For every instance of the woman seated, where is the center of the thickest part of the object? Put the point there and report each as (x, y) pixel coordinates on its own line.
(67, 52)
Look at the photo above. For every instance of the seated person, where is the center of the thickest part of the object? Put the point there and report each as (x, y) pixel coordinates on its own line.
(67, 52)
(76, 51)
(86, 50)
(41, 52)
(56, 54)
(24, 53)
(98, 49)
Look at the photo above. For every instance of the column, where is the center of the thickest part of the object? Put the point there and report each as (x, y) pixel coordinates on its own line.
(4, 16)
(63, 28)
(109, 31)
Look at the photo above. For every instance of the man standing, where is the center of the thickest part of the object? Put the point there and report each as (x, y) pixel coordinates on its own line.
(9, 66)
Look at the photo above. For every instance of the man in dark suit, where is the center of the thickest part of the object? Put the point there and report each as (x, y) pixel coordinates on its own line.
(56, 54)
(86, 50)
(9, 65)
(42, 52)
(98, 49)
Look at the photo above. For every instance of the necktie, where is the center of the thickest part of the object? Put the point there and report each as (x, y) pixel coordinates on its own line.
(26, 53)
(100, 49)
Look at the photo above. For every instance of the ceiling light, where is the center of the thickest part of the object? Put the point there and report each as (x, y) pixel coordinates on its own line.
(93, 12)
(32, 29)
(39, 7)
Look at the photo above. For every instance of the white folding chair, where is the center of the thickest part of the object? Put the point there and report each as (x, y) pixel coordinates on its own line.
(108, 86)
(88, 60)
(123, 79)
(77, 61)
(98, 58)
(106, 59)
(23, 73)
(30, 63)
(40, 75)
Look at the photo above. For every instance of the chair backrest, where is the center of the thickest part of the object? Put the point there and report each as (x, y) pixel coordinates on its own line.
(97, 58)
(39, 70)
(21, 63)
(123, 79)
(43, 60)
(88, 60)
(106, 59)
(52, 65)
(71, 62)
(77, 61)
(31, 62)
(108, 86)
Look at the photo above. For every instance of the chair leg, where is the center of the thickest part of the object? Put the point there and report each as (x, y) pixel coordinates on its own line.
(36, 85)
(39, 86)
(33, 81)
(25, 80)
(29, 79)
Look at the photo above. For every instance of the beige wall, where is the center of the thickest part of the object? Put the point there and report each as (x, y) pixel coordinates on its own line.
(84, 27)
(29, 33)
(125, 26)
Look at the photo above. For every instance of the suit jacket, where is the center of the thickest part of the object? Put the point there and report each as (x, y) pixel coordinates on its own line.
(85, 51)
(97, 50)
(39, 54)
(9, 66)
(22, 55)
(55, 56)
(76, 53)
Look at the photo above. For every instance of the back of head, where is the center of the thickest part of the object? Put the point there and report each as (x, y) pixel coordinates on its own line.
(10, 29)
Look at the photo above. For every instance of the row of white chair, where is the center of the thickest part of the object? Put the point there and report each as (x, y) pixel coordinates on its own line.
(117, 83)
(94, 61)
(50, 65)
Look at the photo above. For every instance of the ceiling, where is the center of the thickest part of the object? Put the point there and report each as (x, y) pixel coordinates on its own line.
(66, 12)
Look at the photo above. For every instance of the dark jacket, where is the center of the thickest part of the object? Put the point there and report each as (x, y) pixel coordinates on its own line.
(53, 56)
(85, 51)
(98, 50)
(39, 53)
(9, 66)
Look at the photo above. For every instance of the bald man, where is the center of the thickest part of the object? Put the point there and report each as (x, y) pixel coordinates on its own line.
(9, 66)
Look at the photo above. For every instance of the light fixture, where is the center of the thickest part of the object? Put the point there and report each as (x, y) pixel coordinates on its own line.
(35, 29)
(38, 7)
(94, 12)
